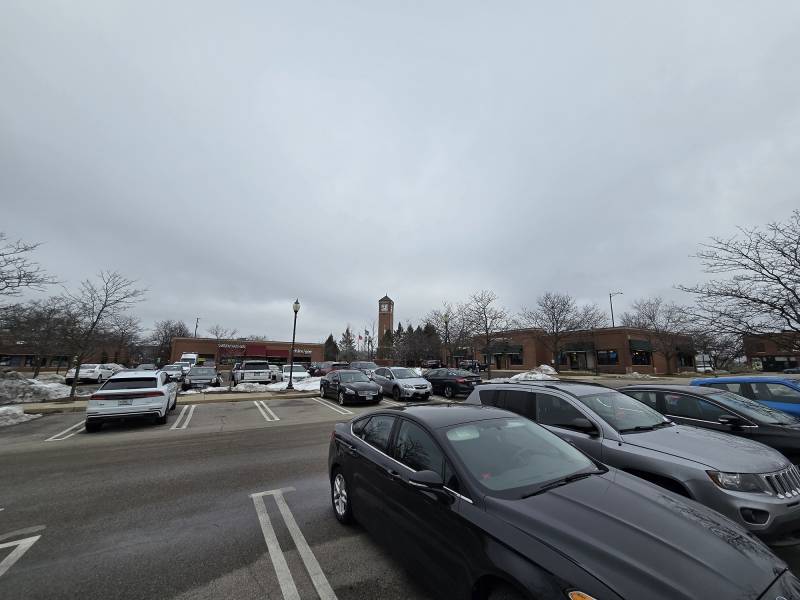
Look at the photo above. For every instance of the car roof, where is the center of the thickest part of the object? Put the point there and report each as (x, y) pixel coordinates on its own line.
(439, 414)
(575, 388)
(744, 379)
(134, 374)
(339, 371)
(665, 387)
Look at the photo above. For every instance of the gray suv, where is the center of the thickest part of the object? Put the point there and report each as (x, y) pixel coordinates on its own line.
(729, 474)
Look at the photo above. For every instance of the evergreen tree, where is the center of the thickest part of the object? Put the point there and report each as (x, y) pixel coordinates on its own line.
(347, 346)
(331, 351)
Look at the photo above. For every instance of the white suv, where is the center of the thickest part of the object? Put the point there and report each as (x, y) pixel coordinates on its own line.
(93, 372)
(132, 394)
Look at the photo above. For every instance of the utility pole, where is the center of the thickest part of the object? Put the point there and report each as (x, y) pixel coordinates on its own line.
(611, 303)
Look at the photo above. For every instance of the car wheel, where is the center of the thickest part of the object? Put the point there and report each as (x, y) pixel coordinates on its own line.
(162, 420)
(449, 392)
(340, 498)
(341, 398)
(92, 426)
(503, 592)
(174, 403)
(99, 379)
(321, 392)
(396, 394)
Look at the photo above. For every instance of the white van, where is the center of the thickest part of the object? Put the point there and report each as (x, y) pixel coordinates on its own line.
(190, 357)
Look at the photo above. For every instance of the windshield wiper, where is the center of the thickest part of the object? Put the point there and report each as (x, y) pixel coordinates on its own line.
(564, 481)
(638, 428)
(663, 424)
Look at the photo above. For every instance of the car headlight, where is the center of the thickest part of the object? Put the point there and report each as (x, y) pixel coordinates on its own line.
(738, 482)
(350, 391)
(576, 595)
(408, 386)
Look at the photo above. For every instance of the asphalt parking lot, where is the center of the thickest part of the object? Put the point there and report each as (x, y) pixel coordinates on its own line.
(225, 500)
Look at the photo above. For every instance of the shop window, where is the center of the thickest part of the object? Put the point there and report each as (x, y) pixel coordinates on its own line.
(607, 357)
(563, 359)
(640, 357)
(515, 359)
(5, 361)
(28, 361)
(685, 360)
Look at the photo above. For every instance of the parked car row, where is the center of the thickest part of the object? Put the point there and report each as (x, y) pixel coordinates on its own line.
(95, 373)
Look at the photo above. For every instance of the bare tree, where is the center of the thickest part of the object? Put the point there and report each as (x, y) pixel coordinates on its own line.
(760, 290)
(667, 325)
(452, 326)
(723, 347)
(218, 332)
(17, 270)
(558, 315)
(125, 333)
(39, 324)
(93, 307)
(486, 319)
(163, 334)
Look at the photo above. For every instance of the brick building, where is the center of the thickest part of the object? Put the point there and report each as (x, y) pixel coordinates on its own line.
(773, 352)
(227, 352)
(606, 350)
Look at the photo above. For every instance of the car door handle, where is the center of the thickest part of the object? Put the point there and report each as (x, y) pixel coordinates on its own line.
(392, 474)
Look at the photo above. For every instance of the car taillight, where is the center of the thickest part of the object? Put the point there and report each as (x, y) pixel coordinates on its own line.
(126, 396)
(461, 380)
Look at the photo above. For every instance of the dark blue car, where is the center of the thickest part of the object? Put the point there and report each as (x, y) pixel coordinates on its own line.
(777, 392)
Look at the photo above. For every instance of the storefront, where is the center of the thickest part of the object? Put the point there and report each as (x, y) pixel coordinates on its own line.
(228, 352)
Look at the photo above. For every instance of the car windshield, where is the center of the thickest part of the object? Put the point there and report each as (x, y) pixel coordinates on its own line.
(255, 366)
(295, 368)
(622, 412)
(353, 377)
(461, 373)
(202, 372)
(130, 383)
(364, 365)
(173, 368)
(760, 413)
(404, 373)
(88, 366)
(514, 454)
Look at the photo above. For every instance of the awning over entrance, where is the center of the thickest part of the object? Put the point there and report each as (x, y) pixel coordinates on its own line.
(641, 345)
(579, 346)
(503, 348)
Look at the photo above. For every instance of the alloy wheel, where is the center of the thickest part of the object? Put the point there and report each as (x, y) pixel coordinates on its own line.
(340, 495)
(341, 398)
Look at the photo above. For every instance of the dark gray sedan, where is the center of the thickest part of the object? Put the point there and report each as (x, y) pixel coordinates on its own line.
(349, 386)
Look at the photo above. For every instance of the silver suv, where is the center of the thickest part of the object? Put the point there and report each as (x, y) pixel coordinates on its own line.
(729, 474)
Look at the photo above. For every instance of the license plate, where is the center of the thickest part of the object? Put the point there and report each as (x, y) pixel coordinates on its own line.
(124, 402)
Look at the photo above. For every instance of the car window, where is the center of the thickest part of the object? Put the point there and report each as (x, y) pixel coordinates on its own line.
(761, 413)
(490, 397)
(376, 431)
(776, 392)
(358, 426)
(648, 398)
(380, 372)
(679, 405)
(450, 478)
(130, 383)
(521, 402)
(622, 412)
(555, 411)
(736, 388)
(417, 450)
(435, 373)
(710, 411)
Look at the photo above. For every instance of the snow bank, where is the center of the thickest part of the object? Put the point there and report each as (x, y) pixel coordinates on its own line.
(310, 384)
(542, 372)
(13, 415)
(304, 385)
(16, 389)
(52, 378)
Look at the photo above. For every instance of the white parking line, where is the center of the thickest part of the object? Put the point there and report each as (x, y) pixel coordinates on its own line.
(22, 546)
(285, 579)
(180, 416)
(57, 437)
(333, 407)
(265, 411)
(392, 402)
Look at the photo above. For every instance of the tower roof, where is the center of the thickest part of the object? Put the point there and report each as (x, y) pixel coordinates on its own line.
(386, 298)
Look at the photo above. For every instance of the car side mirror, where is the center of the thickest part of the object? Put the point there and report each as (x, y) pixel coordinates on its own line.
(731, 421)
(583, 425)
(427, 480)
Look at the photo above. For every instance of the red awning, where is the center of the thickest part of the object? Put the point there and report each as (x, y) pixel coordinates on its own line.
(255, 350)
(278, 352)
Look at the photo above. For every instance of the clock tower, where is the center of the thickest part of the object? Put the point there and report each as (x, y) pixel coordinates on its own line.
(385, 318)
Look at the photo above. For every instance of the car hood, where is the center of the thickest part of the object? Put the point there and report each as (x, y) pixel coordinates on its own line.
(642, 541)
(362, 386)
(414, 381)
(714, 449)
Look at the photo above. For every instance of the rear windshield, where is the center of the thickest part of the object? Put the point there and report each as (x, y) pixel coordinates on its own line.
(256, 366)
(364, 365)
(88, 366)
(173, 368)
(295, 369)
(760, 413)
(138, 383)
(202, 372)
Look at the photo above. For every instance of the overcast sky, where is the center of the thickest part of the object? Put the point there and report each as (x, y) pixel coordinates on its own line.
(232, 156)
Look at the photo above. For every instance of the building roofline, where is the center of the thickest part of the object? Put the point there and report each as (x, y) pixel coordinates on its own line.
(240, 341)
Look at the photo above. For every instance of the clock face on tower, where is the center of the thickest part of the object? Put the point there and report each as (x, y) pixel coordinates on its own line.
(384, 307)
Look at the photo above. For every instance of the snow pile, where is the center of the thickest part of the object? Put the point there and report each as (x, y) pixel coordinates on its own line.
(13, 415)
(540, 373)
(308, 384)
(52, 378)
(636, 375)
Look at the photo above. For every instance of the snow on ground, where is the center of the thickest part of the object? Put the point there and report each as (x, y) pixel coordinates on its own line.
(309, 384)
(13, 415)
(542, 372)
(14, 388)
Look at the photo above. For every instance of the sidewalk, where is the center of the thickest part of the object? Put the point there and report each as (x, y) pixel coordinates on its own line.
(44, 408)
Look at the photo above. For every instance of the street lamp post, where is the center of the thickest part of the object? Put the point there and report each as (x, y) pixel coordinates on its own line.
(611, 303)
(446, 341)
(296, 309)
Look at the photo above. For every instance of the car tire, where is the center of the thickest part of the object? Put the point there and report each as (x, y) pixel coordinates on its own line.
(341, 398)
(340, 498)
(449, 392)
(396, 394)
(174, 403)
(184, 387)
(503, 591)
(321, 392)
(162, 420)
(92, 426)
(99, 379)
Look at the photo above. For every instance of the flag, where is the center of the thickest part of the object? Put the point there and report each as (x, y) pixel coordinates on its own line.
(360, 338)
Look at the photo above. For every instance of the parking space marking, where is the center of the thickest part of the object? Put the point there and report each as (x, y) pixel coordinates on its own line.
(180, 416)
(392, 402)
(57, 437)
(285, 579)
(188, 418)
(265, 411)
(339, 409)
(22, 546)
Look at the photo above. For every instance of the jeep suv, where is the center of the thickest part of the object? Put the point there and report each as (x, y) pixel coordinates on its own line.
(746, 481)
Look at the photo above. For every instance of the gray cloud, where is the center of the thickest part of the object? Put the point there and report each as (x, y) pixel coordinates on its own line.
(354, 149)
